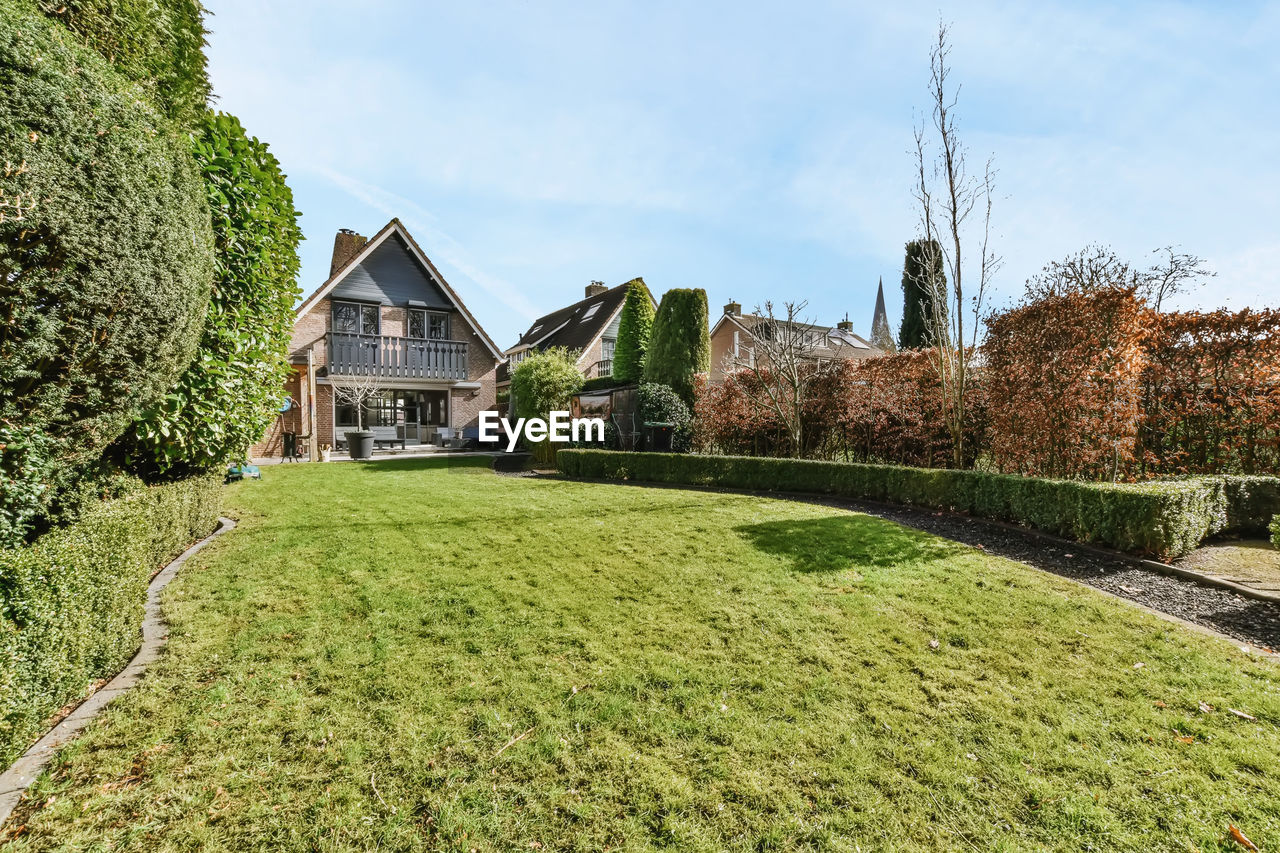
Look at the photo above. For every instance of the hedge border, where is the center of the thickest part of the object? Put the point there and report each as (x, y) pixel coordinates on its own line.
(24, 772)
(1165, 518)
(72, 603)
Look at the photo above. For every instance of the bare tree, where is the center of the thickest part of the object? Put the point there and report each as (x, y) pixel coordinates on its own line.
(1089, 270)
(1096, 268)
(1175, 272)
(779, 365)
(947, 197)
(355, 391)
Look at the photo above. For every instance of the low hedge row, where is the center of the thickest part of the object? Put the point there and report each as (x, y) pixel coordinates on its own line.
(1165, 518)
(71, 603)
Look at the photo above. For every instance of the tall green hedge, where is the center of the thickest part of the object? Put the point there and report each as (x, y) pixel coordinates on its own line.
(230, 393)
(1167, 518)
(71, 603)
(917, 301)
(158, 44)
(105, 243)
(680, 344)
(635, 326)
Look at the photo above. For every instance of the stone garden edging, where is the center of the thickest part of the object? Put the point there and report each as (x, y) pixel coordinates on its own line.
(18, 777)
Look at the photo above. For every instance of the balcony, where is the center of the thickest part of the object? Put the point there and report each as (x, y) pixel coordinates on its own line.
(601, 368)
(396, 358)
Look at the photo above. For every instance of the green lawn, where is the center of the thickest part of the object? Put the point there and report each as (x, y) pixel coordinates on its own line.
(405, 656)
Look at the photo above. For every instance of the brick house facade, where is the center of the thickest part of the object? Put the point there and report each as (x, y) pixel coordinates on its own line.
(385, 311)
(733, 342)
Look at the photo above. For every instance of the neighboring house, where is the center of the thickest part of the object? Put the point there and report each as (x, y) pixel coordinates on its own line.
(385, 311)
(588, 327)
(733, 343)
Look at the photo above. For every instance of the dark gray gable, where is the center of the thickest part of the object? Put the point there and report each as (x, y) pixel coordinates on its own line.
(391, 275)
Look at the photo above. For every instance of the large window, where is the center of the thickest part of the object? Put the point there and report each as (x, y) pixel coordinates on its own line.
(428, 324)
(606, 348)
(354, 319)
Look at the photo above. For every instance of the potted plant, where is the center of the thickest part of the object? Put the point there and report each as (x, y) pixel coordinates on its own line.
(355, 391)
(325, 450)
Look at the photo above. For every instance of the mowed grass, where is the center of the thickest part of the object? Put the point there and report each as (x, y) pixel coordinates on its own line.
(404, 656)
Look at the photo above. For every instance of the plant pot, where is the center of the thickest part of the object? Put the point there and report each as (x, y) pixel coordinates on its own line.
(359, 444)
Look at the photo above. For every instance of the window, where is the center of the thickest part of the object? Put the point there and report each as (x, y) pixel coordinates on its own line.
(591, 312)
(417, 324)
(354, 319)
(438, 327)
(606, 348)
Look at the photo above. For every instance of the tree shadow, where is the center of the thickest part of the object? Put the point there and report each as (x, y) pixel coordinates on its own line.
(842, 542)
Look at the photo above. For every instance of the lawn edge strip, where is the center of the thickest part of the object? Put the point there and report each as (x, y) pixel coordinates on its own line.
(27, 768)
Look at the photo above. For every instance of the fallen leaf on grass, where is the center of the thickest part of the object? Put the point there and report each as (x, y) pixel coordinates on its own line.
(934, 644)
(1242, 715)
(1160, 704)
(1240, 838)
(1205, 708)
(1139, 665)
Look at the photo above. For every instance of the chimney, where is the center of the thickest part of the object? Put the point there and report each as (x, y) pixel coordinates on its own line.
(346, 245)
(595, 288)
(733, 309)
(845, 325)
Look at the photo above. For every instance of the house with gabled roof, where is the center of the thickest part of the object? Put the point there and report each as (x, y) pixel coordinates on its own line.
(385, 312)
(733, 341)
(588, 327)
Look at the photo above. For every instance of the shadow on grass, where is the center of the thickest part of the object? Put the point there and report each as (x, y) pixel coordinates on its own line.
(844, 542)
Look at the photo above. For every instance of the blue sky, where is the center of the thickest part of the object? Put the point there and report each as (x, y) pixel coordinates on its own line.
(759, 151)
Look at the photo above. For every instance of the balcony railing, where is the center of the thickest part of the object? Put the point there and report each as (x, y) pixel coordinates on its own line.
(396, 358)
(604, 367)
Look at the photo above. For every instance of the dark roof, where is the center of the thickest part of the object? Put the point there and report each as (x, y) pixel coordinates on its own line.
(393, 227)
(570, 327)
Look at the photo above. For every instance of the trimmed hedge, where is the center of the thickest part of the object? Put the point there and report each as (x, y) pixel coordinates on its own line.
(230, 393)
(1165, 518)
(106, 248)
(71, 603)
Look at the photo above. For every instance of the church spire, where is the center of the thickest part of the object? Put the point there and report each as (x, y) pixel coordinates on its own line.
(881, 336)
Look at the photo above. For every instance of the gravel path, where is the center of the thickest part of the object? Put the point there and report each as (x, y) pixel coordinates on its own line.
(1246, 619)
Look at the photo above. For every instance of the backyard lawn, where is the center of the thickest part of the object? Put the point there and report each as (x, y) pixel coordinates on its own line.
(405, 655)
